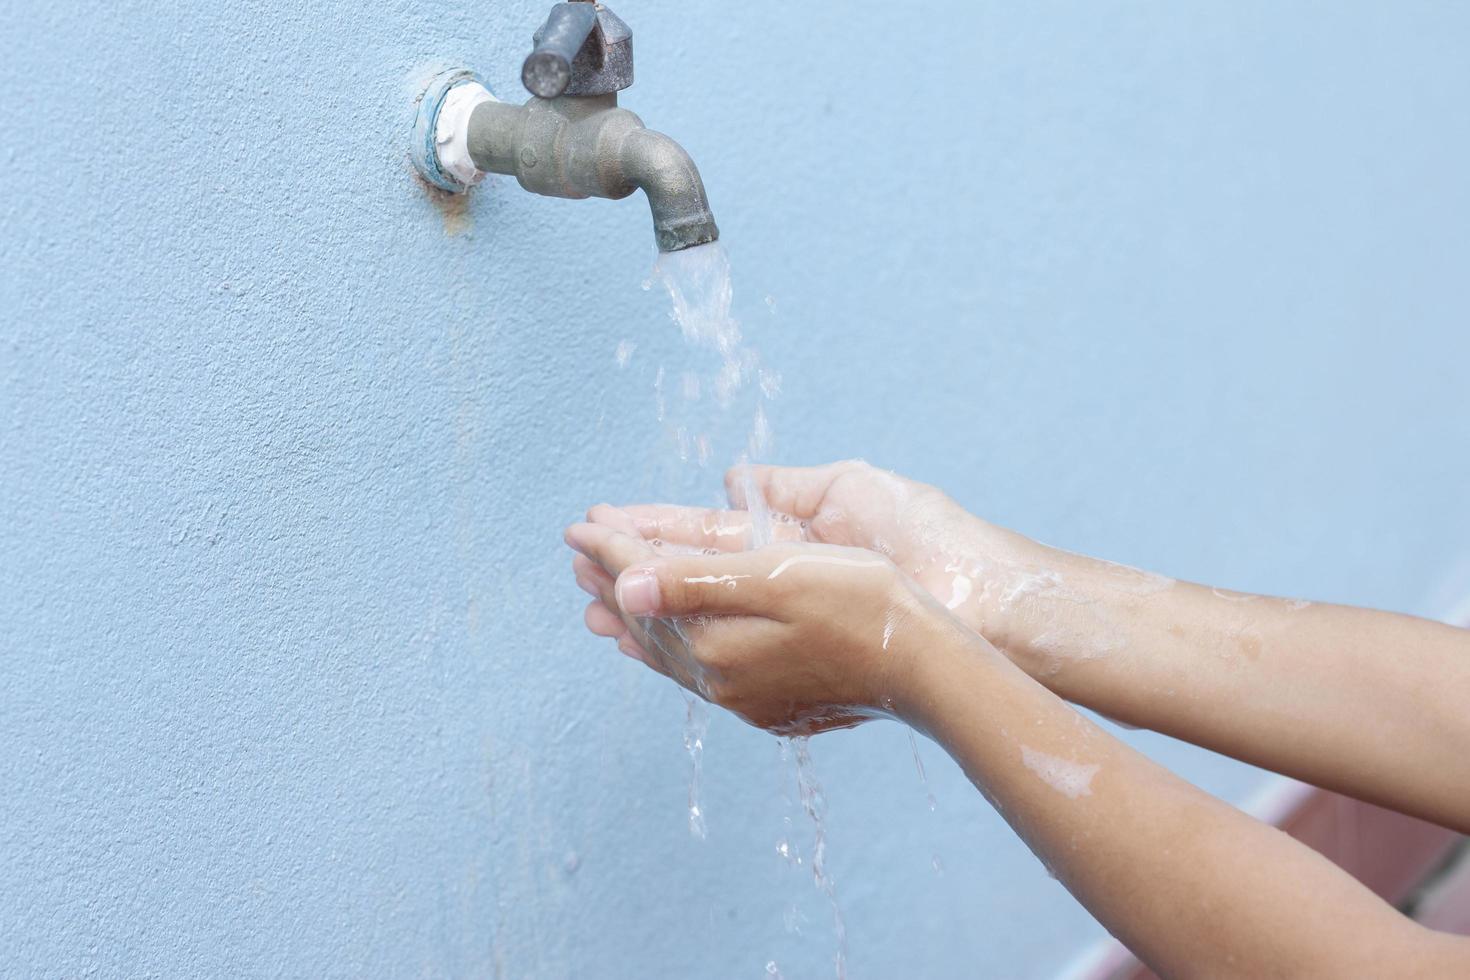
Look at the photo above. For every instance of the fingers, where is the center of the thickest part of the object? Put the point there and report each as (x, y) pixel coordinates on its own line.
(612, 549)
(607, 552)
(675, 587)
(604, 549)
(794, 490)
(660, 645)
(630, 647)
(649, 585)
(703, 527)
(670, 653)
(602, 621)
(605, 619)
(591, 577)
(697, 527)
(614, 517)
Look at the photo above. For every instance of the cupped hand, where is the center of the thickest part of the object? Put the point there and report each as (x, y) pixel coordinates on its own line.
(966, 564)
(793, 637)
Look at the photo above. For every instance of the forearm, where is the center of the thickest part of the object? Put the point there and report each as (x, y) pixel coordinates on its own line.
(1368, 703)
(1193, 886)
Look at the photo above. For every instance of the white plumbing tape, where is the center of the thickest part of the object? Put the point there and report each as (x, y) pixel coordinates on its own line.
(452, 131)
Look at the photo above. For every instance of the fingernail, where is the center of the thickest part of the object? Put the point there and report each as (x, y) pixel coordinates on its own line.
(638, 592)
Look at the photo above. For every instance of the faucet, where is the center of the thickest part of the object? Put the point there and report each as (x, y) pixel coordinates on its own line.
(570, 139)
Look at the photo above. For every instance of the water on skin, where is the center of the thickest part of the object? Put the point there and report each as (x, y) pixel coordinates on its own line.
(796, 560)
(891, 619)
(1032, 593)
(1072, 779)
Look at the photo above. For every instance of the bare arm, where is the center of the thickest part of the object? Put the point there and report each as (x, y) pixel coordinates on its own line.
(800, 638)
(1194, 887)
(1371, 704)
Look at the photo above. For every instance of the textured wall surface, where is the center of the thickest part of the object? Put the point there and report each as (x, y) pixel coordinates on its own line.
(292, 674)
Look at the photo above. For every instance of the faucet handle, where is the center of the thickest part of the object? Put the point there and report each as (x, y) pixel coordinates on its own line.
(582, 49)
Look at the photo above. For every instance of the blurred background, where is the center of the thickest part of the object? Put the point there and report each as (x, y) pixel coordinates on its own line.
(294, 680)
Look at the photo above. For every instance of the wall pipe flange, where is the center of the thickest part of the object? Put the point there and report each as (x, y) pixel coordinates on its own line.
(438, 145)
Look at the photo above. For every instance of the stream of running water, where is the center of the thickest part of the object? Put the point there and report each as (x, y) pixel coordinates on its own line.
(731, 383)
(696, 410)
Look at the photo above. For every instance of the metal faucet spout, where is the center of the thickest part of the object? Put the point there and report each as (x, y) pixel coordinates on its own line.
(571, 139)
(668, 177)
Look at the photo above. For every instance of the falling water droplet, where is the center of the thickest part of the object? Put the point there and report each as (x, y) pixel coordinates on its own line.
(696, 726)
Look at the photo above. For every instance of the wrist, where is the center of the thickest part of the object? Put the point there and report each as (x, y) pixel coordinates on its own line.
(1020, 584)
(935, 654)
(1042, 607)
(1054, 609)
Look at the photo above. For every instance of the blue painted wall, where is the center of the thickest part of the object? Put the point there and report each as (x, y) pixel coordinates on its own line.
(292, 676)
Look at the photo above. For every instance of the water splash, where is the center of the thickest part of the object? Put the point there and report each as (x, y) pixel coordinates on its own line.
(697, 281)
(701, 297)
(696, 726)
(923, 776)
(761, 531)
(929, 798)
(797, 751)
(731, 383)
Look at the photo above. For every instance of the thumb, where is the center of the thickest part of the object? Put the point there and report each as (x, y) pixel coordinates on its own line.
(716, 585)
(794, 490)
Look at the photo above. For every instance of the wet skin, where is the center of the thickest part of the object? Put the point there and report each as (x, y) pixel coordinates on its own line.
(899, 603)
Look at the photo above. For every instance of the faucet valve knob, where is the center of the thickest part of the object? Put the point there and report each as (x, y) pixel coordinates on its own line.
(582, 49)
